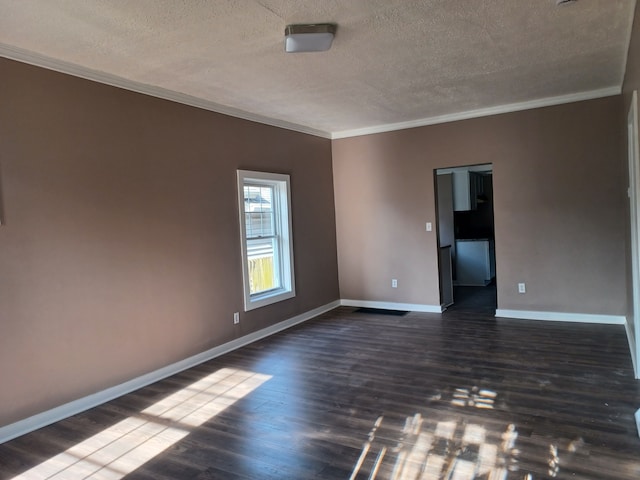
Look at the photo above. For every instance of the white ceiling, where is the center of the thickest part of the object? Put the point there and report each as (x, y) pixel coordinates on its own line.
(393, 63)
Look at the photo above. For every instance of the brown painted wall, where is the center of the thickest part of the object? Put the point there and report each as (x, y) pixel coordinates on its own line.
(631, 83)
(120, 252)
(559, 207)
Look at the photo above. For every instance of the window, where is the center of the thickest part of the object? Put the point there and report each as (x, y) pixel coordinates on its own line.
(267, 248)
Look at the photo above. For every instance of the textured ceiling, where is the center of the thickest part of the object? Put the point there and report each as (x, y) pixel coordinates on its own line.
(392, 61)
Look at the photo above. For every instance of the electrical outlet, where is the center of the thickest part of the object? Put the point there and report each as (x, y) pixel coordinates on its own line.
(522, 288)
(236, 318)
(394, 283)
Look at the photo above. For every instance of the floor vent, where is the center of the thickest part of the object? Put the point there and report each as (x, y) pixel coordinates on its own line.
(382, 311)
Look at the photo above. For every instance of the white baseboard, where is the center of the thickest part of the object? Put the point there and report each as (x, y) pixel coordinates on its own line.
(74, 407)
(412, 307)
(562, 317)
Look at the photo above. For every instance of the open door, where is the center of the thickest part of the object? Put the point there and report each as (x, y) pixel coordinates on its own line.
(446, 237)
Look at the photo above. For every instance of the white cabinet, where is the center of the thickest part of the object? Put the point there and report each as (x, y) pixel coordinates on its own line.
(475, 262)
(464, 190)
(468, 183)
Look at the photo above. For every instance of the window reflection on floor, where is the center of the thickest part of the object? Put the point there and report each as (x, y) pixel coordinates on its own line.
(130, 443)
(451, 449)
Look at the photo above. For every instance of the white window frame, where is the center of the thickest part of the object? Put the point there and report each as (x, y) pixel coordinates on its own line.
(281, 205)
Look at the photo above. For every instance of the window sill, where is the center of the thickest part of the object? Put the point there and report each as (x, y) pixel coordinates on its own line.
(268, 298)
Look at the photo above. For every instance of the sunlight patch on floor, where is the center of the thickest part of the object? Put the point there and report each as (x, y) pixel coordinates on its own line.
(433, 455)
(474, 397)
(130, 443)
(451, 449)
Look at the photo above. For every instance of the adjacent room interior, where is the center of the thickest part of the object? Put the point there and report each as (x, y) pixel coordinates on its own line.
(466, 238)
(481, 202)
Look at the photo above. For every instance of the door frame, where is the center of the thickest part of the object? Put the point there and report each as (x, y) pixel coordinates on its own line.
(633, 334)
(477, 167)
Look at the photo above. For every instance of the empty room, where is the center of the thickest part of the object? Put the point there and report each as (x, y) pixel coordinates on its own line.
(277, 239)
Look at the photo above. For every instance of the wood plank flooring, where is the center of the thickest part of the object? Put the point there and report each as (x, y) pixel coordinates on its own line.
(456, 396)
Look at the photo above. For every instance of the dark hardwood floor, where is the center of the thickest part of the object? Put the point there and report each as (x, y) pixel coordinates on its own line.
(348, 395)
(475, 300)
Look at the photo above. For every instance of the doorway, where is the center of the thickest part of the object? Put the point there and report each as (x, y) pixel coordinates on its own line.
(466, 239)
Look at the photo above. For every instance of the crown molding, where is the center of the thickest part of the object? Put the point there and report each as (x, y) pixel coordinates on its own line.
(481, 112)
(38, 60)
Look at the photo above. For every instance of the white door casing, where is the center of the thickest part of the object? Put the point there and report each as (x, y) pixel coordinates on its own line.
(633, 323)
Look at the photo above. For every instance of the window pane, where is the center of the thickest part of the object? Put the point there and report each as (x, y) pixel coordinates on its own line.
(258, 211)
(263, 274)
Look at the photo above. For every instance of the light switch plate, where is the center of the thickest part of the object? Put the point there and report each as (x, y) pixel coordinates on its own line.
(429, 227)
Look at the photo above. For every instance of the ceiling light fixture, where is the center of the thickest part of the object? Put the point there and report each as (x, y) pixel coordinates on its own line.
(315, 37)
